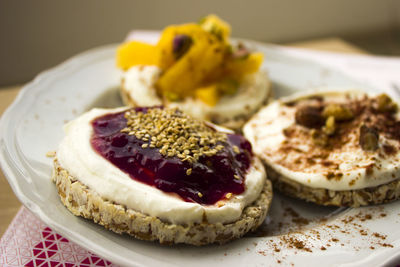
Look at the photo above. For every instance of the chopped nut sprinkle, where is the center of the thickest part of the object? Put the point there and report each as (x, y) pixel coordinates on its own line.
(369, 138)
(339, 112)
(229, 195)
(330, 125)
(174, 133)
(385, 104)
(319, 137)
(309, 116)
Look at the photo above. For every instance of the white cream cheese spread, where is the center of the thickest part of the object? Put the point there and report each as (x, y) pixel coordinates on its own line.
(77, 156)
(139, 84)
(283, 145)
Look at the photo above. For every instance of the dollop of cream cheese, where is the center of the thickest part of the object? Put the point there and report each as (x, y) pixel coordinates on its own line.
(77, 156)
(139, 84)
(265, 131)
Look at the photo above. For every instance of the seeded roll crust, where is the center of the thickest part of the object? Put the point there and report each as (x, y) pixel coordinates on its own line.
(346, 198)
(84, 202)
(339, 148)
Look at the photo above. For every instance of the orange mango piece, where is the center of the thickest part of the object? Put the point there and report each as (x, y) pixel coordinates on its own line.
(190, 71)
(240, 67)
(213, 24)
(136, 53)
(208, 94)
(166, 42)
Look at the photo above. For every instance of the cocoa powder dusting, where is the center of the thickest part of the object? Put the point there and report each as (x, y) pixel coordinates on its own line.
(331, 233)
(358, 125)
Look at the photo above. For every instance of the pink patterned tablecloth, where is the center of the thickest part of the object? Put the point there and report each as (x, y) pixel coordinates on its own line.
(30, 242)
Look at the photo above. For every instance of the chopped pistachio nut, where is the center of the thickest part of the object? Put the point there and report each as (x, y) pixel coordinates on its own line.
(309, 116)
(240, 52)
(171, 96)
(330, 125)
(174, 133)
(216, 26)
(339, 112)
(385, 104)
(319, 137)
(228, 87)
(369, 138)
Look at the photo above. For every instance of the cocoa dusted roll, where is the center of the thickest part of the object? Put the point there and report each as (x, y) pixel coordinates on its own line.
(338, 148)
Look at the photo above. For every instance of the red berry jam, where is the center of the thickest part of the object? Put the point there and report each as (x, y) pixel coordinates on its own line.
(210, 178)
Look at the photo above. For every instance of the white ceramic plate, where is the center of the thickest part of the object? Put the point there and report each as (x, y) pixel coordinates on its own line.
(32, 126)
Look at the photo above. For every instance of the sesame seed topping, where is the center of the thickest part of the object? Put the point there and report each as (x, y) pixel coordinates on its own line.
(236, 149)
(229, 195)
(236, 177)
(200, 194)
(189, 171)
(174, 133)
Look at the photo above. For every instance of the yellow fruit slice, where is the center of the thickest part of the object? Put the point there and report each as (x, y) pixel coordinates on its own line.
(208, 94)
(240, 67)
(136, 53)
(213, 24)
(166, 42)
(197, 60)
(205, 55)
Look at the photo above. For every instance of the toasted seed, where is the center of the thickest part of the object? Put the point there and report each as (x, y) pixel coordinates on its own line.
(174, 133)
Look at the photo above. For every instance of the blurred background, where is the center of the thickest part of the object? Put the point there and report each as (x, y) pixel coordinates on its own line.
(36, 35)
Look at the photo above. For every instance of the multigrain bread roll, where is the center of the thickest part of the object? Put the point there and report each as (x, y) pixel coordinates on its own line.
(158, 174)
(338, 148)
